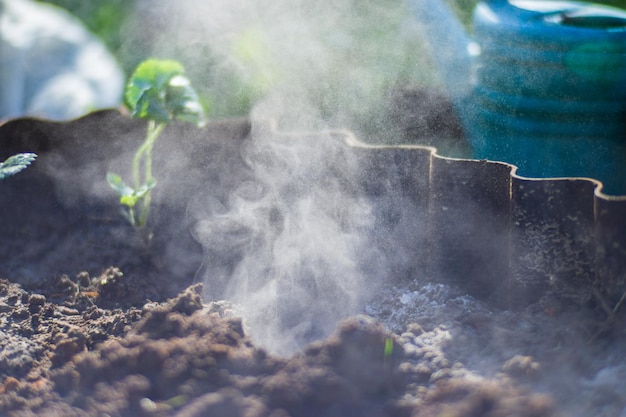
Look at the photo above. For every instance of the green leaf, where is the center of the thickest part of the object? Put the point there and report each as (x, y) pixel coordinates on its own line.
(116, 182)
(152, 73)
(129, 200)
(158, 90)
(183, 102)
(151, 106)
(128, 195)
(15, 164)
(145, 188)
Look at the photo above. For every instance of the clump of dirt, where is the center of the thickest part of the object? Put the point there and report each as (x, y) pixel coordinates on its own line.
(187, 358)
(39, 334)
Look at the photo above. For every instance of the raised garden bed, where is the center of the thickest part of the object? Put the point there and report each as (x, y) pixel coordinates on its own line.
(485, 293)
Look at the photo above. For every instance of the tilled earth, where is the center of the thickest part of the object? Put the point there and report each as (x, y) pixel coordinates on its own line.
(71, 357)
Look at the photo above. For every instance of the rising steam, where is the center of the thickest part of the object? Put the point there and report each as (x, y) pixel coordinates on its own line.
(288, 237)
(289, 243)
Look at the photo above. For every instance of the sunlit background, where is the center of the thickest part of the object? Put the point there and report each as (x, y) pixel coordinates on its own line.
(340, 64)
(348, 58)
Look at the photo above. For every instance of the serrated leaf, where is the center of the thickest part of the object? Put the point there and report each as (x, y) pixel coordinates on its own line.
(182, 101)
(158, 90)
(15, 164)
(151, 106)
(152, 73)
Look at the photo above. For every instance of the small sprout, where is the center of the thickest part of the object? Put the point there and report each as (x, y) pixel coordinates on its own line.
(15, 164)
(388, 347)
(159, 92)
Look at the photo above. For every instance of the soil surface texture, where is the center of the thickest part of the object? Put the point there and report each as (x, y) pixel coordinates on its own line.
(97, 320)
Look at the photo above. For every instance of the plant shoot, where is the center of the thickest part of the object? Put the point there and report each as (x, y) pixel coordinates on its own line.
(159, 92)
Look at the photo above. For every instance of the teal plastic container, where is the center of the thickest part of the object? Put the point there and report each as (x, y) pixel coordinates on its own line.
(550, 89)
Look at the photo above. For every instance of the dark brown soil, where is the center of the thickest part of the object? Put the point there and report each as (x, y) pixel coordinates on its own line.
(187, 358)
(96, 320)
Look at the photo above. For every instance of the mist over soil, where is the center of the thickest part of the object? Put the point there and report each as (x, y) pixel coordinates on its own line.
(288, 242)
(285, 274)
(187, 358)
(94, 321)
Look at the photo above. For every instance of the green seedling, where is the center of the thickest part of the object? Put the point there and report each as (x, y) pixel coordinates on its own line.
(159, 92)
(15, 164)
(388, 349)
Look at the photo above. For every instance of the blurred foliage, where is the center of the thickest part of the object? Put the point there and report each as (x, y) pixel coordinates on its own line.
(371, 50)
(105, 18)
(344, 57)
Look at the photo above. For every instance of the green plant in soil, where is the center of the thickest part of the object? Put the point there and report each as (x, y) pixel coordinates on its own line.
(159, 92)
(15, 164)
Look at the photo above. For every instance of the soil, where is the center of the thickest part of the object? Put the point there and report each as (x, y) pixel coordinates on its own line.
(97, 320)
